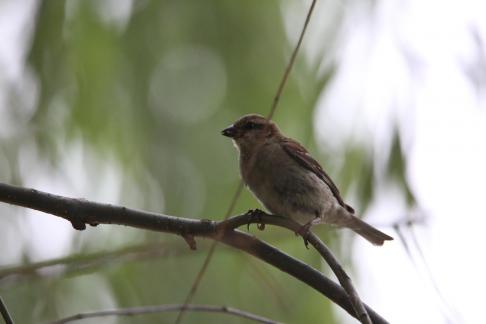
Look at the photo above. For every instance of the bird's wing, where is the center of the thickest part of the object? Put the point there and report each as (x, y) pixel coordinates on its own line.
(301, 156)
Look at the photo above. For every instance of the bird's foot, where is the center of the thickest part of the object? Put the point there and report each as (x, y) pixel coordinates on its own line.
(256, 217)
(304, 231)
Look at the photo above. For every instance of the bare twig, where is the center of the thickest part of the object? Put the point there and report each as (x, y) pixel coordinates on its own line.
(286, 74)
(275, 290)
(5, 314)
(208, 258)
(81, 212)
(404, 242)
(447, 310)
(133, 311)
(85, 262)
(343, 278)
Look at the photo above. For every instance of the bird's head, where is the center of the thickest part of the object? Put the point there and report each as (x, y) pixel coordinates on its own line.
(251, 130)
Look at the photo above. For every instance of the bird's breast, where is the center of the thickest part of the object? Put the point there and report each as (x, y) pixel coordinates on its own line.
(284, 187)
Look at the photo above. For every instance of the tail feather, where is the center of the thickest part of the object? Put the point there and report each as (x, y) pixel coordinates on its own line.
(367, 231)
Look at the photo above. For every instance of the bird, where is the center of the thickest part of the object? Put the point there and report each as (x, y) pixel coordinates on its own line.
(289, 182)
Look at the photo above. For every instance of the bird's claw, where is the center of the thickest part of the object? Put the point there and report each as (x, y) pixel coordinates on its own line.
(256, 217)
(306, 242)
(304, 231)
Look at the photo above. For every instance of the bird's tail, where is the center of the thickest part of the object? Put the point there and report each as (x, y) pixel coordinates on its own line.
(367, 231)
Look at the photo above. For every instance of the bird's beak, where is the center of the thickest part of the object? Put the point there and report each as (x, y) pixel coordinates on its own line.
(229, 131)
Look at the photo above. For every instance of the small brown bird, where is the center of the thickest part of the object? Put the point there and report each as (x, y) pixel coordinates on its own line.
(288, 181)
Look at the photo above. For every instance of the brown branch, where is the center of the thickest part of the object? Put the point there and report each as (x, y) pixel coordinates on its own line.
(342, 276)
(81, 212)
(5, 314)
(132, 311)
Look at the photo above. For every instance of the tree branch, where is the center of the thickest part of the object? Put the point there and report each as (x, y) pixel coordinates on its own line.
(5, 314)
(166, 308)
(342, 276)
(81, 212)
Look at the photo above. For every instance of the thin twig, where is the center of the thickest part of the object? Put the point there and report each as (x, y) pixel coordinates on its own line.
(86, 262)
(133, 311)
(276, 99)
(404, 242)
(342, 276)
(273, 288)
(448, 312)
(409, 225)
(4, 311)
(208, 258)
(286, 74)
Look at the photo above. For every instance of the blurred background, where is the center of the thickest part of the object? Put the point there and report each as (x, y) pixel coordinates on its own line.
(122, 102)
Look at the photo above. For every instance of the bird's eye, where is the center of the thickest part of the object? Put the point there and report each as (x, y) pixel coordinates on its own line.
(252, 125)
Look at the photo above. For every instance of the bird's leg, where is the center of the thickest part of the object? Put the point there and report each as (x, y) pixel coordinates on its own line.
(256, 217)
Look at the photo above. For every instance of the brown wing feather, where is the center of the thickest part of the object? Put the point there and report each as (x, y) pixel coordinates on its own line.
(301, 156)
